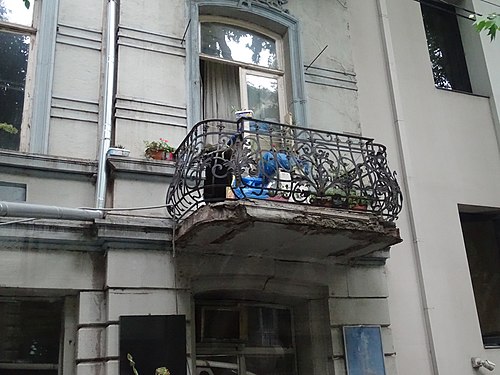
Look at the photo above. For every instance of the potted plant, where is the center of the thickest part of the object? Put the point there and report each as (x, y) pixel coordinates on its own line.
(333, 197)
(357, 201)
(118, 150)
(159, 150)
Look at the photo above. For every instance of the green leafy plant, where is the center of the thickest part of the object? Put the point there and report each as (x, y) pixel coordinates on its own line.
(357, 200)
(132, 363)
(159, 370)
(154, 146)
(8, 128)
(491, 22)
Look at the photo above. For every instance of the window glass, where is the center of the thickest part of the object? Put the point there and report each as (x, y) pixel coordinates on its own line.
(14, 49)
(446, 51)
(263, 97)
(14, 11)
(265, 346)
(221, 324)
(30, 332)
(237, 44)
(270, 364)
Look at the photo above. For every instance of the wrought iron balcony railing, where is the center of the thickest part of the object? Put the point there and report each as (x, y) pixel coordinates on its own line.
(253, 159)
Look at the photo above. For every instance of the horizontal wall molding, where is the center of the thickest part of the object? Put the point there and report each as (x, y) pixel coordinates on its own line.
(23, 162)
(150, 41)
(331, 78)
(74, 109)
(150, 111)
(79, 37)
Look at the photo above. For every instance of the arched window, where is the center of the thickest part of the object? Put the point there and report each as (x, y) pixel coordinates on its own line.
(242, 56)
(241, 67)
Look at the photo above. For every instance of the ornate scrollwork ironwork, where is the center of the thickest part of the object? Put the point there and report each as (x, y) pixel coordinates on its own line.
(274, 4)
(254, 159)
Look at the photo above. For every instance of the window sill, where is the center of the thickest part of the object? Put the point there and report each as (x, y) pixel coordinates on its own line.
(462, 92)
(26, 161)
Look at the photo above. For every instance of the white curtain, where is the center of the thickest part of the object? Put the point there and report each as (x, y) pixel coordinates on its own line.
(221, 90)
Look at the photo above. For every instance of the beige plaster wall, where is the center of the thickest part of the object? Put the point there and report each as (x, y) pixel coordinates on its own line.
(57, 190)
(330, 105)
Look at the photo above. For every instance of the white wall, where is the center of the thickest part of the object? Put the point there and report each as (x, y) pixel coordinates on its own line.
(449, 148)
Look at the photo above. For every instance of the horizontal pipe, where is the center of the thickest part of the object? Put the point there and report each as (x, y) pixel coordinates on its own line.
(39, 211)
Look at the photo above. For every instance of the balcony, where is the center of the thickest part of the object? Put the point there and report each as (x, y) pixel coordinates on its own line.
(259, 188)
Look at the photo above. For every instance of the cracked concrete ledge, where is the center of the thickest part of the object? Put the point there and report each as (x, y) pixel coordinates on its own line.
(280, 230)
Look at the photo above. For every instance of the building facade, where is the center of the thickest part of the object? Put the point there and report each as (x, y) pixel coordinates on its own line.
(348, 225)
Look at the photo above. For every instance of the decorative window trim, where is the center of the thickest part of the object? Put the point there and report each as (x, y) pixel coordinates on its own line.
(274, 4)
(254, 9)
(40, 94)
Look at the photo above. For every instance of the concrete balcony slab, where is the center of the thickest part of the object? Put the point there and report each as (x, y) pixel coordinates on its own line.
(285, 231)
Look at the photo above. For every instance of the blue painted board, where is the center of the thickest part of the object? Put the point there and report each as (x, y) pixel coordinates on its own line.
(363, 350)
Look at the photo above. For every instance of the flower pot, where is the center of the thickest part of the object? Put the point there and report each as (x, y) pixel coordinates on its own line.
(157, 155)
(115, 151)
(169, 156)
(359, 207)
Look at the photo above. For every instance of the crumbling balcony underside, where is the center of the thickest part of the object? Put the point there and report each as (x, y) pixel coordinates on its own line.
(282, 231)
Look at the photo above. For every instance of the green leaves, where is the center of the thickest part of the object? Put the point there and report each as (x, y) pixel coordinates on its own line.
(491, 22)
(8, 128)
(27, 4)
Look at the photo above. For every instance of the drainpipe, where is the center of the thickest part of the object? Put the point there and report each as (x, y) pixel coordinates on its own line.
(406, 165)
(108, 94)
(47, 212)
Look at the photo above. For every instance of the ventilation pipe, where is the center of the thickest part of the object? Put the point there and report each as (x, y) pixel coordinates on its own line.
(108, 95)
(47, 212)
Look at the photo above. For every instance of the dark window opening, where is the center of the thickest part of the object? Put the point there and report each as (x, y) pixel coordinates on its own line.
(14, 49)
(481, 233)
(233, 338)
(30, 332)
(445, 46)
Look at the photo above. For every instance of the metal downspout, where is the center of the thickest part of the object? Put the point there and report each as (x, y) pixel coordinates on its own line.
(404, 153)
(107, 115)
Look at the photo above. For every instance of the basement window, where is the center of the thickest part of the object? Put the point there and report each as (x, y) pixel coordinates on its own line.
(481, 232)
(30, 332)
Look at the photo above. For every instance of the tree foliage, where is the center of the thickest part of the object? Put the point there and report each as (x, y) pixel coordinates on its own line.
(491, 23)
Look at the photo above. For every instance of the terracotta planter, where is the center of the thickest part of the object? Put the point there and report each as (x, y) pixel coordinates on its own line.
(359, 207)
(157, 155)
(169, 156)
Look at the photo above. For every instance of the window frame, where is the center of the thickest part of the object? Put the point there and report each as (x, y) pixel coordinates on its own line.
(431, 7)
(238, 348)
(34, 134)
(281, 89)
(40, 366)
(249, 68)
(480, 260)
(274, 20)
(31, 32)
